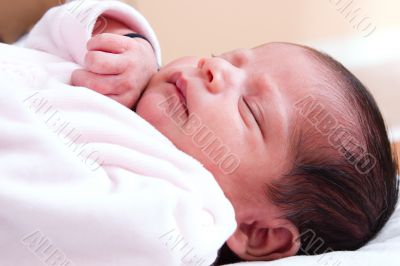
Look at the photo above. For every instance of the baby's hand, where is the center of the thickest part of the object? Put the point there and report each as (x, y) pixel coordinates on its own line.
(118, 67)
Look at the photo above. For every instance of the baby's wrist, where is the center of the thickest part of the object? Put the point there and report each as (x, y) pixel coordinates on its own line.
(146, 42)
(134, 35)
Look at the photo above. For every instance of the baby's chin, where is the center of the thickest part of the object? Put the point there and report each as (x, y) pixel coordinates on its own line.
(148, 109)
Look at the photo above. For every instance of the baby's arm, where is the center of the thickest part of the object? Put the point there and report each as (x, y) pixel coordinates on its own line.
(115, 65)
(65, 30)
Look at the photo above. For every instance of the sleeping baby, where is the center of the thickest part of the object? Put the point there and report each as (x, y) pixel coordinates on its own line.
(294, 140)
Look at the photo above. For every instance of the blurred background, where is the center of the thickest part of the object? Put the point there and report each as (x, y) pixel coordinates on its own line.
(364, 35)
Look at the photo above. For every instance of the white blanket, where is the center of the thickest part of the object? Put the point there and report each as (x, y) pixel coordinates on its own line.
(84, 180)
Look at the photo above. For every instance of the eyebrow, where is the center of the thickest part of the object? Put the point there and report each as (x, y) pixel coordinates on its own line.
(241, 57)
(237, 58)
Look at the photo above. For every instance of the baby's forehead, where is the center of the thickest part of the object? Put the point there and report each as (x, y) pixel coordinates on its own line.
(278, 47)
(285, 46)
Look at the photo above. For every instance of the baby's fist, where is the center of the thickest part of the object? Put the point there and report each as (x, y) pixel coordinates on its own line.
(117, 66)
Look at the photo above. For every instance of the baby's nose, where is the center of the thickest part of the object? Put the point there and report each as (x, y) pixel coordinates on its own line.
(219, 74)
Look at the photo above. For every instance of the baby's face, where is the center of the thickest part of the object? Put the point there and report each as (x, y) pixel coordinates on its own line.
(234, 113)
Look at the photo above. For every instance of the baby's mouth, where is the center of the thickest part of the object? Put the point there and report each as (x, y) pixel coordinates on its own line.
(180, 85)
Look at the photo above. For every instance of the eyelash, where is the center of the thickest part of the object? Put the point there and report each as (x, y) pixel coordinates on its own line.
(251, 111)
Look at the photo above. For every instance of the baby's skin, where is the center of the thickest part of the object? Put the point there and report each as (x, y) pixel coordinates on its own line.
(243, 99)
(117, 66)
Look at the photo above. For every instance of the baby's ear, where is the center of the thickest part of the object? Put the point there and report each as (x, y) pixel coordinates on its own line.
(263, 242)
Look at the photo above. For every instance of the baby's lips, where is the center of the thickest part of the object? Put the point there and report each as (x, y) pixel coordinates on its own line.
(174, 77)
(180, 82)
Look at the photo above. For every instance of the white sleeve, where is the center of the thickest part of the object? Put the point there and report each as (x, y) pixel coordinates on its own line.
(65, 30)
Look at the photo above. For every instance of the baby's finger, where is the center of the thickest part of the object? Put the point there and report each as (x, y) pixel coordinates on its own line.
(105, 63)
(107, 42)
(103, 84)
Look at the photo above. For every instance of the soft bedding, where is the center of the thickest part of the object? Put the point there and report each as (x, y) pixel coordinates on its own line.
(86, 181)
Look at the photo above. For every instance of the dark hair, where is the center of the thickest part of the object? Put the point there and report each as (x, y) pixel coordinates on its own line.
(340, 201)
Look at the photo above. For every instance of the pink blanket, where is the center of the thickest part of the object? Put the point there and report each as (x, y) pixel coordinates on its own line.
(84, 180)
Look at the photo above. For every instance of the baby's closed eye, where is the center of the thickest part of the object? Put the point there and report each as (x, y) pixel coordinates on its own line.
(250, 113)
